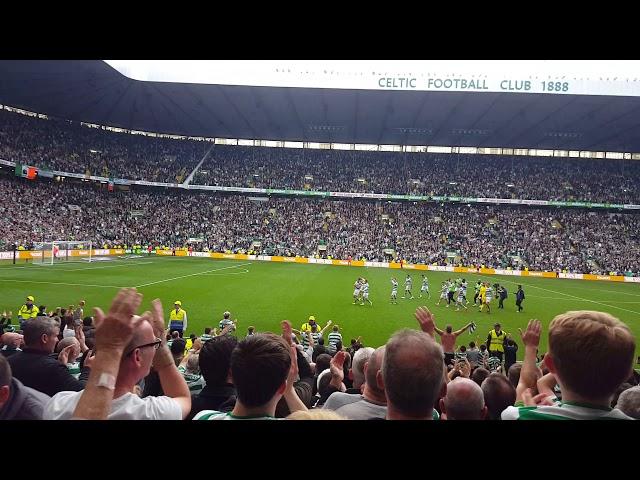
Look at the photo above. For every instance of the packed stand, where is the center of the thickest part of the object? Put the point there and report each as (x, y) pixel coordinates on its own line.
(540, 239)
(70, 147)
(484, 176)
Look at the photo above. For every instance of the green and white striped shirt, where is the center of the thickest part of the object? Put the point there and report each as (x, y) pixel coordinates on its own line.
(205, 337)
(305, 339)
(215, 415)
(74, 369)
(563, 411)
(334, 338)
(224, 322)
(194, 382)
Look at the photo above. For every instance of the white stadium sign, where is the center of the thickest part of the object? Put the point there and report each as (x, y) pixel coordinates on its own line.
(574, 77)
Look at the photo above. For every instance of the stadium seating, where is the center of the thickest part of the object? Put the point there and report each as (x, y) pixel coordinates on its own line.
(494, 236)
(487, 176)
(70, 147)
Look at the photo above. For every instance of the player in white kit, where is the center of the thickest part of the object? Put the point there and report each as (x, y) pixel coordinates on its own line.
(444, 291)
(394, 291)
(408, 285)
(460, 300)
(356, 291)
(425, 286)
(365, 292)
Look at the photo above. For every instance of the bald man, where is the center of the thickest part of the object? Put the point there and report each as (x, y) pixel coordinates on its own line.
(373, 402)
(464, 401)
(10, 342)
(412, 375)
(143, 350)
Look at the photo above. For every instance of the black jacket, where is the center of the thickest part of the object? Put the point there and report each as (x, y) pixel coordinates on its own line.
(510, 354)
(39, 370)
(212, 397)
(24, 403)
(8, 351)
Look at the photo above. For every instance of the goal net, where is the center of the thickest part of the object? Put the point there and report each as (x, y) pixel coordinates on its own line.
(66, 251)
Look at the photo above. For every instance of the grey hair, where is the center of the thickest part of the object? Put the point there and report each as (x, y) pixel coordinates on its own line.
(193, 364)
(629, 402)
(373, 367)
(357, 366)
(34, 328)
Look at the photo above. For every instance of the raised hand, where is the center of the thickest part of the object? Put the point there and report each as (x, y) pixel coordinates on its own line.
(293, 371)
(336, 366)
(465, 369)
(63, 356)
(115, 329)
(426, 320)
(531, 336)
(287, 332)
(88, 361)
(156, 318)
(81, 338)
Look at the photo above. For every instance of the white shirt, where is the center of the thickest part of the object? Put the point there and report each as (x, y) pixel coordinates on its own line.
(127, 407)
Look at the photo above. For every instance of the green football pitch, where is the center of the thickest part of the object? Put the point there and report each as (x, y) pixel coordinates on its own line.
(264, 293)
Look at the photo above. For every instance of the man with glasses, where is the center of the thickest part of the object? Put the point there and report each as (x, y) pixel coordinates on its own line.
(146, 348)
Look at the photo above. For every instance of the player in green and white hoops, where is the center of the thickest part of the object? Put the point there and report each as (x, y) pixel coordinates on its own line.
(425, 286)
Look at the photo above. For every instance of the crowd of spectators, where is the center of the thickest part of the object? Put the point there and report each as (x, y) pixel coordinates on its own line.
(265, 376)
(71, 147)
(484, 176)
(543, 239)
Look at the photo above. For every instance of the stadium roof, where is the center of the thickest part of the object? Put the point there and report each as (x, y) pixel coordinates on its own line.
(93, 91)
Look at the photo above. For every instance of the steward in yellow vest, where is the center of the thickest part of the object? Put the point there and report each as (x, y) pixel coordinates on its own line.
(27, 311)
(495, 341)
(178, 319)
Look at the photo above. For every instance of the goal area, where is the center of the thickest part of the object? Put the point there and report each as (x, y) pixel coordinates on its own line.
(62, 251)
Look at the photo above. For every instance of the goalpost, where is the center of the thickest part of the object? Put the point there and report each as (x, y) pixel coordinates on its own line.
(66, 251)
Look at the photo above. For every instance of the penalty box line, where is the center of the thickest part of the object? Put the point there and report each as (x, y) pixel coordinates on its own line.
(192, 275)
